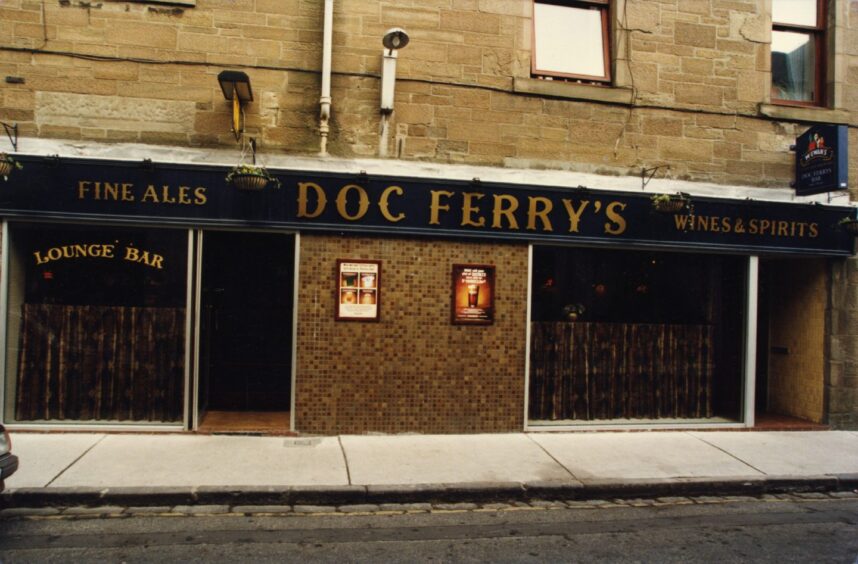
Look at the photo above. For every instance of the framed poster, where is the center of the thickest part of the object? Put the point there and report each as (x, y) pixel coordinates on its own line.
(358, 290)
(473, 294)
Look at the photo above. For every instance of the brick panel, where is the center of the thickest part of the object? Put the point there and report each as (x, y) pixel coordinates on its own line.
(413, 371)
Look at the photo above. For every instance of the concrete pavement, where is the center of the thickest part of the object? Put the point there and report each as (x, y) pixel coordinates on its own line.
(94, 468)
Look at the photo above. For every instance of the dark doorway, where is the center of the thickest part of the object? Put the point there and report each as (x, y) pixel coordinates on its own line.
(246, 322)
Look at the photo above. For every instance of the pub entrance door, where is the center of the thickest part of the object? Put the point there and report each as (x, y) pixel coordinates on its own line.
(245, 331)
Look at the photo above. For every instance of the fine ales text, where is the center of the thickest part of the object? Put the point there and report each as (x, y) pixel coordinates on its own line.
(127, 192)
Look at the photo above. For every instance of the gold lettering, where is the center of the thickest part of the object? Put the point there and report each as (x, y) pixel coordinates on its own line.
(783, 229)
(384, 204)
(200, 196)
(764, 226)
(150, 195)
(681, 221)
(726, 225)
(539, 207)
(619, 221)
(814, 230)
(111, 191)
(82, 188)
(500, 211)
(753, 227)
(132, 254)
(702, 223)
(468, 209)
(715, 224)
(157, 262)
(39, 259)
(321, 200)
(184, 198)
(574, 214)
(127, 194)
(107, 251)
(165, 193)
(436, 206)
(342, 200)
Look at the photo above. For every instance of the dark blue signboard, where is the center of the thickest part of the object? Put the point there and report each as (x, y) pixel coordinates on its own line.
(820, 160)
(199, 196)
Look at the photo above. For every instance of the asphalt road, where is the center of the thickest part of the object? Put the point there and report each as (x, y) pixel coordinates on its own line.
(758, 531)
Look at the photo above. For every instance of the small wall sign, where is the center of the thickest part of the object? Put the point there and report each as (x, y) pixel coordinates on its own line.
(473, 294)
(358, 290)
(820, 160)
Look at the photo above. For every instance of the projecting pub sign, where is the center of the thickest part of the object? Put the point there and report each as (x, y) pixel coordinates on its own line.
(820, 160)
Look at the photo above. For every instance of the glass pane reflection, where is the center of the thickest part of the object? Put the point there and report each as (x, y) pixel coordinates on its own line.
(796, 12)
(793, 61)
(569, 40)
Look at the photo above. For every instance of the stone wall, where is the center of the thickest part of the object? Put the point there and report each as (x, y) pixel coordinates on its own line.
(690, 91)
(841, 388)
(413, 371)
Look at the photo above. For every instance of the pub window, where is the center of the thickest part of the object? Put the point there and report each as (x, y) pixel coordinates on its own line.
(798, 51)
(570, 40)
(96, 324)
(627, 336)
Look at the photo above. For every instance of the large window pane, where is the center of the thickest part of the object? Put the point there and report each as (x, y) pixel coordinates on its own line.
(569, 40)
(793, 66)
(96, 328)
(794, 12)
(635, 335)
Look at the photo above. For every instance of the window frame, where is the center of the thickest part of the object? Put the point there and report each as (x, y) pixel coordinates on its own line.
(604, 7)
(819, 36)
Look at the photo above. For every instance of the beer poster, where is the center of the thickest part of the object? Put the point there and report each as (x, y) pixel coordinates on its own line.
(358, 287)
(473, 294)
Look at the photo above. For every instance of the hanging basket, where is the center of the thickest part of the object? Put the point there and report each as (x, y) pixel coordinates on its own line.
(249, 182)
(672, 205)
(850, 226)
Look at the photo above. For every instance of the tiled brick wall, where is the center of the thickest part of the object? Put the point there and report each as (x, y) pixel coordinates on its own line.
(413, 371)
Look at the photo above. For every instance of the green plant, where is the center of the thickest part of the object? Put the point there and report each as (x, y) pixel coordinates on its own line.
(670, 202)
(849, 224)
(7, 164)
(252, 170)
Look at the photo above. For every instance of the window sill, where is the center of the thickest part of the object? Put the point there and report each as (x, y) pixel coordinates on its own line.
(803, 113)
(572, 90)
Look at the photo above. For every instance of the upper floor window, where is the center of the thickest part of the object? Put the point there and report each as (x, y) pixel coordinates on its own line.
(570, 39)
(798, 51)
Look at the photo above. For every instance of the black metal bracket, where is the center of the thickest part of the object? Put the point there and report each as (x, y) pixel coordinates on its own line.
(648, 173)
(10, 130)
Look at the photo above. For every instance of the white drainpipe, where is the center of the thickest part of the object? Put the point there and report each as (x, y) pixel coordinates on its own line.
(325, 100)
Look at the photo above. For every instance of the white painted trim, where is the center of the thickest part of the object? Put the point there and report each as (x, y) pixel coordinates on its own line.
(4, 312)
(107, 427)
(632, 427)
(749, 395)
(527, 335)
(198, 259)
(189, 295)
(514, 172)
(295, 286)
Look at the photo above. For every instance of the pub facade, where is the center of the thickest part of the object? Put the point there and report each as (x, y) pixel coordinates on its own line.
(525, 254)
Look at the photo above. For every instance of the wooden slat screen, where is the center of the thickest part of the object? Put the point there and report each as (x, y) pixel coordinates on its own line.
(102, 363)
(590, 371)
